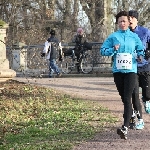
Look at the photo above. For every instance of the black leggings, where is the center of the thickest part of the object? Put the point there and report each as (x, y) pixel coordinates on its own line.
(125, 83)
(144, 83)
(136, 101)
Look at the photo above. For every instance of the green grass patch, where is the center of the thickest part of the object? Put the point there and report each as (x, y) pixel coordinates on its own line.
(37, 118)
(2, 23)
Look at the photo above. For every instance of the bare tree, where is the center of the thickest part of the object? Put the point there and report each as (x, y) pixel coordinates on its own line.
(142, 6)
(31, 20)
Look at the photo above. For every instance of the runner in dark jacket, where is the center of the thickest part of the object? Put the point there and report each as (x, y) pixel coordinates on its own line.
(143, 71)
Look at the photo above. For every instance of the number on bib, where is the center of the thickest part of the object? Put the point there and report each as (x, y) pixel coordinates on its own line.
(124, 61)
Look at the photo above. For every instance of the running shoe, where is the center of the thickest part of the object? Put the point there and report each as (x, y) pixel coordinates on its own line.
(140, 124)
(122, 132)
(147, 107)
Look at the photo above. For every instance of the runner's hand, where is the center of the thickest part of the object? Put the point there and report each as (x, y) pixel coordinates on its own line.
(116, 47)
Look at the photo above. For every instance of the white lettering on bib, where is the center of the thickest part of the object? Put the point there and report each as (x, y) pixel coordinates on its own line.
(124, 61)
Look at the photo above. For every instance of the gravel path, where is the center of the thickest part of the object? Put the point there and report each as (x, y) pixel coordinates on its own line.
(102, 90)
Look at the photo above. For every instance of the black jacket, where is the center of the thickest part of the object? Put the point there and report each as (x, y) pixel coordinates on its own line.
(54, 46)
(79, 40)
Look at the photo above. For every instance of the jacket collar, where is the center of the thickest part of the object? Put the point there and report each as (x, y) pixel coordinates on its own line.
(124, 31)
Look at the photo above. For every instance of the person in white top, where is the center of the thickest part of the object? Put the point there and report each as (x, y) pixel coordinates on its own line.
(50, 50)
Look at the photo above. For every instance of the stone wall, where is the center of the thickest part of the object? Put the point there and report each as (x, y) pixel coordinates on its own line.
(5, 72)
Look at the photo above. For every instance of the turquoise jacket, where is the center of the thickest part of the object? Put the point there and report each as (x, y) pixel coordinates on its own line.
(129, 43)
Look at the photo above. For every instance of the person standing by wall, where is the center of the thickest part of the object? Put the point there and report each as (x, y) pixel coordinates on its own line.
(51, 49)
(143, 69)
(123, 45)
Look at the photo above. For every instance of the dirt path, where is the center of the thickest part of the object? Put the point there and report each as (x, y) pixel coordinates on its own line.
(103, 90)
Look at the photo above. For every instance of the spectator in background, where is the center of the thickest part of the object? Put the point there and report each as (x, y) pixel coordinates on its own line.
(81, 44)
(51, 49)
(80, 41)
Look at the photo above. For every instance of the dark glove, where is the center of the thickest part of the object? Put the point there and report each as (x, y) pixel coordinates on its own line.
(42, 54)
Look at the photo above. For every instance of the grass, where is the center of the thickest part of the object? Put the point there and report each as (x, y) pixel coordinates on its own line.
(2, 23)
(39, 118)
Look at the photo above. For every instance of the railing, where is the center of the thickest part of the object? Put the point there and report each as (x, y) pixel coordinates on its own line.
(23, 58)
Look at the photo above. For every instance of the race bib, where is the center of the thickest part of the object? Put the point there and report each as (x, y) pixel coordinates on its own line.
(124, 61)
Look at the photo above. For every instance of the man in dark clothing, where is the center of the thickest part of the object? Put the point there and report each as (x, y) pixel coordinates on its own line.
(81, 45)
(53, 45)
(80, 41)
